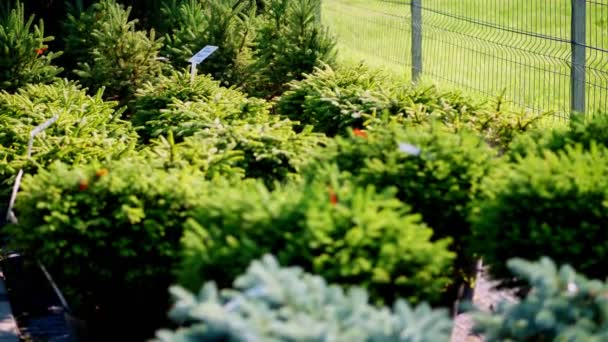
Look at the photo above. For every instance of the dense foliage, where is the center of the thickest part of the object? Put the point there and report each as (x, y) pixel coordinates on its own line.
(24, 55)
(270, 303)
(109, 51)
(177, 104)
(193, 153)
(349, 235)
(436, 172)
(580, 129)
(262, 44)
(228, 24)
(496, 122)
(185, 119)
(208, 120)
(88, 128)
(332, 100)
(561, 306)
(290, 42)
(150, 177)
(353, 95)
(555, 204)
(269, 151)
(109, 233)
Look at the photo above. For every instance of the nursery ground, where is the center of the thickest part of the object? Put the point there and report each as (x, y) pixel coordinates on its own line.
(485, 297)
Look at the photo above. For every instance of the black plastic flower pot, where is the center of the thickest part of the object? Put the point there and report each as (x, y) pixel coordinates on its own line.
(38, 306)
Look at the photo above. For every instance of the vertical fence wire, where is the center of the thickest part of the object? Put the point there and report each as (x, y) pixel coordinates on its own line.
(597, 55)
(378, 32)
(522, 47)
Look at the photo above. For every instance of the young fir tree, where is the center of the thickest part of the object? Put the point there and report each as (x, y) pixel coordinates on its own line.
(228, 24)
(110, 52)
(291, 41)
(24, 56)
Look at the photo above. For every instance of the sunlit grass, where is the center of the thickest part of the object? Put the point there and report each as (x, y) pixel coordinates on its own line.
(477, 57)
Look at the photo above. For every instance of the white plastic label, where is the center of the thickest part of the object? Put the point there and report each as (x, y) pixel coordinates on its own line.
(203, 54)
(409, 149)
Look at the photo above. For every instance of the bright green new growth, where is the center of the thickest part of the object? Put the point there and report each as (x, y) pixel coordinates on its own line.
(554, 205)
(175, 104)
(355, 96)
(436, 172)
(350, 235)
(271, 151)
(23, 51)
(334, 100)
(108, 232)
(561, 306)
(108, 51)
(222, 126)
(399, 201)
(580, 129)
(88, 129)
(193, 153)
(271, 303)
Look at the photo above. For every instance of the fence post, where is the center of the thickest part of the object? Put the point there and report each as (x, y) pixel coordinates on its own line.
(416, 9)
(578, 44)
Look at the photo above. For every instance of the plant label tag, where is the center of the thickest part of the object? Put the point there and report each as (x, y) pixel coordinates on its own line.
(409, 149)
(10, 215)
(203, 54)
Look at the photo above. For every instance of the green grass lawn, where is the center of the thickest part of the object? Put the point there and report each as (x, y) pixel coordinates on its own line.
(519, 46)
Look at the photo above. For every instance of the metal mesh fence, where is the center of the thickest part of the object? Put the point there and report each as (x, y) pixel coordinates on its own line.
(597, 54)
(545, 55)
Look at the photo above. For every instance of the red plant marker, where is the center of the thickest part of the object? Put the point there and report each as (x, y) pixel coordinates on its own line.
(41, 50)
(359, 132)
(333, 198)
(83, 185)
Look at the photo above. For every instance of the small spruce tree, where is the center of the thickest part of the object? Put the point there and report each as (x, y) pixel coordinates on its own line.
(228, 24)
(290, 42)
(110, 52)
(23, 57)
